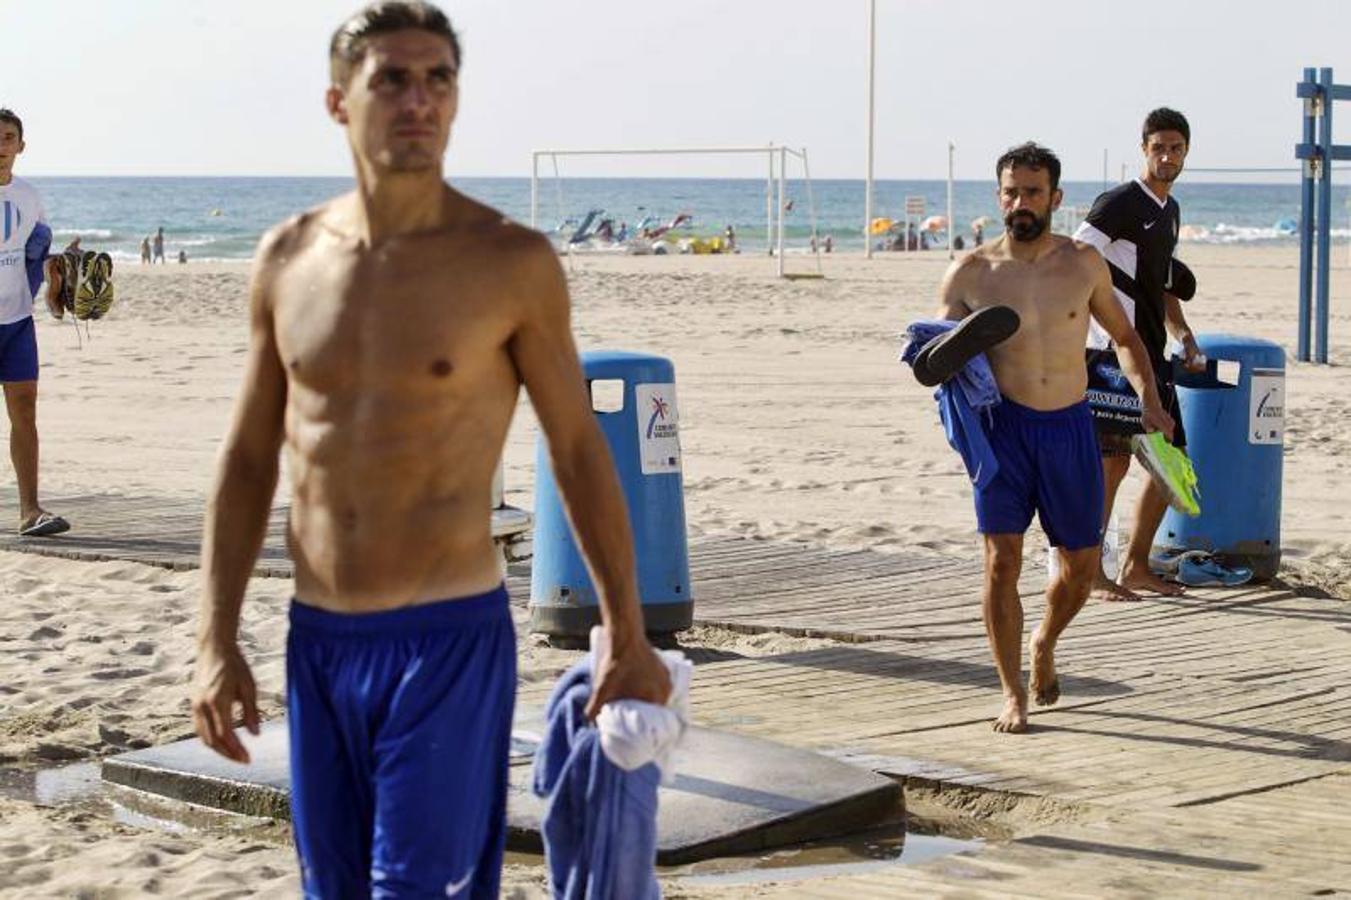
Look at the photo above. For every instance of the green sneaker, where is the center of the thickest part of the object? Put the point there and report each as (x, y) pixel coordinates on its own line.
(1171, 470)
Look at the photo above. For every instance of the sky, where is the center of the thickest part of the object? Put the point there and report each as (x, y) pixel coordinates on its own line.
(189, 87)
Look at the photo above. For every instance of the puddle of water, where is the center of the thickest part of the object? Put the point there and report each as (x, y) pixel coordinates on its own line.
(57, 786)
(81, 786)
(856, 855)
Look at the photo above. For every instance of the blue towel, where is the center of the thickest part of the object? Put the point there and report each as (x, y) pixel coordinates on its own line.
(35, 254)
(960, 401)
(600, 828)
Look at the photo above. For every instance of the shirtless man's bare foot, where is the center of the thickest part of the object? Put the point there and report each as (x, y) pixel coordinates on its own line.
(1042, 682)
(1013, 720)
(1136, 577)
(1106, 589)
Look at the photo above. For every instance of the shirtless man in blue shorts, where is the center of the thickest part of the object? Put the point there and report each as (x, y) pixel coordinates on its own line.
(1042, 432)
(391, 330)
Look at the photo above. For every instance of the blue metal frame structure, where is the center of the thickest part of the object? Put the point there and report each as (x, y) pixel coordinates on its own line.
(1317, 151)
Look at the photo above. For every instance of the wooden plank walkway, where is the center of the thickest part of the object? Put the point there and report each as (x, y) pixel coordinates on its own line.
(1222, 716)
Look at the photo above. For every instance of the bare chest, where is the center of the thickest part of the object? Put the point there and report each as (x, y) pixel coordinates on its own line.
(387, 322)
(1047, 297)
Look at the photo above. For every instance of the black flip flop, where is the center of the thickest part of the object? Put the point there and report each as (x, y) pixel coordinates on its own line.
(944, 356)
(45, 525)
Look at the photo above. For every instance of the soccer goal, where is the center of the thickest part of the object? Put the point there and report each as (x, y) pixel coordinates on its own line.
(776, 158)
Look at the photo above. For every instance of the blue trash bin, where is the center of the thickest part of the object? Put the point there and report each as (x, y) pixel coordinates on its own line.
(1235, 438)
(644, 440)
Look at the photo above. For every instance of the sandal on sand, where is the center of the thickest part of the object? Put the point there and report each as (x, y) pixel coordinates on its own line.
(944, 356)
(45, 525)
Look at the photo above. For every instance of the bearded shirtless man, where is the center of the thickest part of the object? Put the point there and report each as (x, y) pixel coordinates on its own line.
(391, 330)
(1042, 432)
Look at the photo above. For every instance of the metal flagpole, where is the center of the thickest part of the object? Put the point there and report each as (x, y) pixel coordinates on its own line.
(868, 179)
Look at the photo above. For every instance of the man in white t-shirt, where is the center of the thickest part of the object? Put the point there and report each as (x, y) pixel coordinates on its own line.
(20, 213)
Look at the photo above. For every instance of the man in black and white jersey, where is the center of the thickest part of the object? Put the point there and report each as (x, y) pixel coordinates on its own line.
(1135, 226)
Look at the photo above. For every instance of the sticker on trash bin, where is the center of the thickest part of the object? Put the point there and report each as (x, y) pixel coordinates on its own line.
(658, 428)
(1266, 410)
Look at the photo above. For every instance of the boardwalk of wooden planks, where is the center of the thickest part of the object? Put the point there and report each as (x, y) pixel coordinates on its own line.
(1224, 712)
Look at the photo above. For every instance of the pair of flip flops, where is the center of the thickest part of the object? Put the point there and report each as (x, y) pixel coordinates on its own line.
(86, 284)
(1200, 568)
(944, 356)
(45, 525)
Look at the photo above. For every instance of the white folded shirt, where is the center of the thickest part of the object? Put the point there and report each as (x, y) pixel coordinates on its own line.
(634, 733)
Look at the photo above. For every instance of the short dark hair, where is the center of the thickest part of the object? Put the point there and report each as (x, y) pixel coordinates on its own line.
(348, 46)
(1165, 119)
(9, 116)
(1030, 155)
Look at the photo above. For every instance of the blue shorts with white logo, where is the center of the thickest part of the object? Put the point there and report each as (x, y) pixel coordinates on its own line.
(1048, 464)
(400, 727)
(19, 351)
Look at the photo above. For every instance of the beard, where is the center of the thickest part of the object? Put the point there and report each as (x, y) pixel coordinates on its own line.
(1025, 225)
(1167, 176)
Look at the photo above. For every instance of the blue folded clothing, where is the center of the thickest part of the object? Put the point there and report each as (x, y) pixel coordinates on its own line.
(35, 255)
(960, 401)
(600, 827)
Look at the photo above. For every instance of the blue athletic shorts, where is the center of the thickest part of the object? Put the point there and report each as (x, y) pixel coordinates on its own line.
(400, 726)
(1048, 464)
(19, 351)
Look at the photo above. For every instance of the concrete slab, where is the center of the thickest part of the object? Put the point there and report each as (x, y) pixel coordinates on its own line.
(734, 794)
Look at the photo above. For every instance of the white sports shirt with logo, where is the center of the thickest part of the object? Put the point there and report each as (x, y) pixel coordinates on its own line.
(20, 210)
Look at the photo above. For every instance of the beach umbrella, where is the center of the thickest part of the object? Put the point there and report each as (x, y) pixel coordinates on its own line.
(880, 226)
(934, 223)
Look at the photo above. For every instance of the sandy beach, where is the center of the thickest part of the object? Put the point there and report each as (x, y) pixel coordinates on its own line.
(798, 425)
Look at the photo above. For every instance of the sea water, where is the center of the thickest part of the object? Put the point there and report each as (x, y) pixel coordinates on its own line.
(223, 218)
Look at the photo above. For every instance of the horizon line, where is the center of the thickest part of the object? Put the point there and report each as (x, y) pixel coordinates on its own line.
(526, 177)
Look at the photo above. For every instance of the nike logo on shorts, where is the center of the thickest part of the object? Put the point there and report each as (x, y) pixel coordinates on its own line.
(453, 888)
(1149, 225)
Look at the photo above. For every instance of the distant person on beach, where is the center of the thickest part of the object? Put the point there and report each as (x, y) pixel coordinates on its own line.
(74, 245)
(978, 234)
(391, 331)
(730, 236)
(23, 214)
(829, 243)
(1041, 434)
(145, 250)
(1135, 226)
(182, 257)
(157, 246)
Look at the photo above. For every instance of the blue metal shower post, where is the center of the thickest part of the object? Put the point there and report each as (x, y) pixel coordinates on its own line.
(1306, 89)
(1324, 216)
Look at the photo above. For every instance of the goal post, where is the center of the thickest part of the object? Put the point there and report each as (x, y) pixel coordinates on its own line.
(776, 157)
